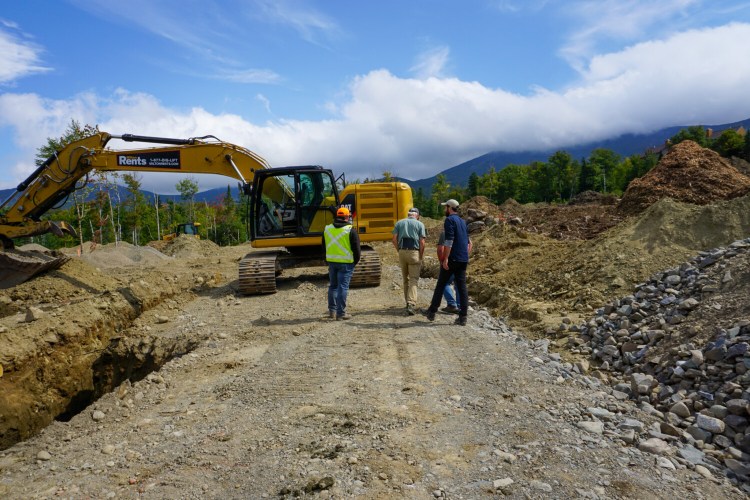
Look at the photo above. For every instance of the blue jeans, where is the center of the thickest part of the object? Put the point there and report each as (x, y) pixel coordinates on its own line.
(339, 275)
(450, 299)
(457, 270)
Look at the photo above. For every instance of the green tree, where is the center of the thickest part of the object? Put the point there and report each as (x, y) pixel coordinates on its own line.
(74, 132)
(188, 188)
(603, 161)
(473, 185)
(229, 228)
(586, 177)
(439, 192)
(729, 143)
(563, 171)
(696, 133)
(423, 204)
(134, 217)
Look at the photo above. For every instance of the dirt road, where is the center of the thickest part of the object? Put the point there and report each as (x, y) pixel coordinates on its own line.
(278, 401)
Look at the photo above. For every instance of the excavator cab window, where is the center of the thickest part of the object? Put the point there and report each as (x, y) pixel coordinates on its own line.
(294, 201)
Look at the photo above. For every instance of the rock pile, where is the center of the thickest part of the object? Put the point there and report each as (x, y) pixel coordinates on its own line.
(698, 385)
(688, 173)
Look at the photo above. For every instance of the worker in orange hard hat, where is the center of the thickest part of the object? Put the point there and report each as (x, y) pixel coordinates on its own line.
(342, 251)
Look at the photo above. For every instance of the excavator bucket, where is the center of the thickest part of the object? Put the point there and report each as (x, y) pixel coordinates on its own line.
(17, 266)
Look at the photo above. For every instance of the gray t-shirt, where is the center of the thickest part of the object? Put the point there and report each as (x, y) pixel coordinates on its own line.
(409, 232)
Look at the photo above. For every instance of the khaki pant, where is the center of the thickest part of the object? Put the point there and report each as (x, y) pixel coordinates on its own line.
(410, 267)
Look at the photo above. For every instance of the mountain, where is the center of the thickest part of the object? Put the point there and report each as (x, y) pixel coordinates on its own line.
(624, 145)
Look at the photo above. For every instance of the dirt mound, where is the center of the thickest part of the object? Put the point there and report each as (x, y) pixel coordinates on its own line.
(688, 173)
(185, 246)
(481, 203)
(120, 254)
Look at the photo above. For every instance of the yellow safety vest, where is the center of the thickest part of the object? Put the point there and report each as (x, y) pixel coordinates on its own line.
(338, 246)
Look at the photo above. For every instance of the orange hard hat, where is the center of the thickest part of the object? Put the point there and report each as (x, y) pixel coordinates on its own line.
(342, 212)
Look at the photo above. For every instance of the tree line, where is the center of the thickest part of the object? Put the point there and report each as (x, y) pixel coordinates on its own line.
(562, 177)
(103, 215)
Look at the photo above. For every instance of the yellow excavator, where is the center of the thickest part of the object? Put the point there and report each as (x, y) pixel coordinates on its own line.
(288, 206)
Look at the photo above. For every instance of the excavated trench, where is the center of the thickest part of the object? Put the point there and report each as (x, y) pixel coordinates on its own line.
(85, 350)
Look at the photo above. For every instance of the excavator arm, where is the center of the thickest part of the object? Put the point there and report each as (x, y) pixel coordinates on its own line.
(59, 176)
(53, 181)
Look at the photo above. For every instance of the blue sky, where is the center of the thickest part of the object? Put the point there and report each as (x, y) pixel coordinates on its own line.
(412, 87)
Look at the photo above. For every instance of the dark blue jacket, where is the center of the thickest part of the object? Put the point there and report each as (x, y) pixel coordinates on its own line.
(455, 231)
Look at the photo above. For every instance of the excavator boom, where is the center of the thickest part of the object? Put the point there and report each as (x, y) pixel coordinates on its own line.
(290, 206)
(53, 181)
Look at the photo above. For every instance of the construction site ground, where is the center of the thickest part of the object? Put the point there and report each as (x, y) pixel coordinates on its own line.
(141, 372)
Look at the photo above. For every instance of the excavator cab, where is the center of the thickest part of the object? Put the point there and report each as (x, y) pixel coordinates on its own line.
(293, 204)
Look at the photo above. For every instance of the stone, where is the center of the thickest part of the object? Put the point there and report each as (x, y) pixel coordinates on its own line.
(719, 411)
(542, 486)
(641, 384)
(665, 463)
(601, 413)
(696, 356)
(703, 472)
(502, 483)
(698, 433)
(688, 304)
(669, 430)
(710, 424)
(692, 454)
(737, 406)
(507, 457)
(632, 424)
(592, 427)
(680, 410)
(722, 441)
(98, 416)
(43, 455)
(655, 446)
(739, 468)
(628, 436)
(33, 314)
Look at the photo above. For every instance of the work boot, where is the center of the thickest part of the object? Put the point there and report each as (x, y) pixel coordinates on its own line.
(344, 316)
(461, 321)
(430, 315)
(451, 309)
(332, 314)
(410, 310)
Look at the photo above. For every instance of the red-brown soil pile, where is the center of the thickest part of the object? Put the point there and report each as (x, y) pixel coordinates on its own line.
(688, 173)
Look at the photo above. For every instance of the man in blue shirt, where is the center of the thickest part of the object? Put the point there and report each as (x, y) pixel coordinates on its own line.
(454, 263)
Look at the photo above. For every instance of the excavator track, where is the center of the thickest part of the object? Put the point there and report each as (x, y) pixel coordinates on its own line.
(17, 266)
(367, 272)
(258, 273)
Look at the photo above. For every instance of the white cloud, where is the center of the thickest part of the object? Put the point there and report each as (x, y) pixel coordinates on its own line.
(431, 63)
(418, 127)
(310, 24)
(617, 20)
(18, 58)
(250, 76)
